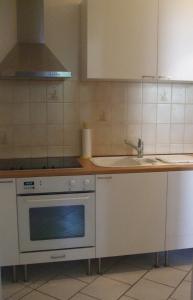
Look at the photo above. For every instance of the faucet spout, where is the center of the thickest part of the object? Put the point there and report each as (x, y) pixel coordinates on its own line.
(139, 148)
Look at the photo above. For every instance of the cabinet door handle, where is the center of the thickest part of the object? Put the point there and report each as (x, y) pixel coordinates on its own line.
(164, 78)
(148, 77)
(58, 256)
(105, 177)
(6, 181)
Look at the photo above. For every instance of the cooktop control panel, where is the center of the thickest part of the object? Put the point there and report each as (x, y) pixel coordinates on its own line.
(58, 184)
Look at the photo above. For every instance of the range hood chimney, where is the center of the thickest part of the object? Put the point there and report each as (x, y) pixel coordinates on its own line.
(31, 58)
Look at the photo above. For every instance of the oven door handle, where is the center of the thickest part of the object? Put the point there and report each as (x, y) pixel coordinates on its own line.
(55, 200)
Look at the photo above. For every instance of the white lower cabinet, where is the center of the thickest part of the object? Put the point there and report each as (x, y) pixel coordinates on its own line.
(9, 253)
(179, 227)
(130, 213)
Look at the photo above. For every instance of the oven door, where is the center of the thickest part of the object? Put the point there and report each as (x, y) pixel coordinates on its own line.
(51, 222)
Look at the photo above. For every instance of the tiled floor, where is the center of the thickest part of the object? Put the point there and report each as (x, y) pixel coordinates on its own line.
(124, 278)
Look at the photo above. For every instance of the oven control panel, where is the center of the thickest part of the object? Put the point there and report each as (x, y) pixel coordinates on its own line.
(58, 184)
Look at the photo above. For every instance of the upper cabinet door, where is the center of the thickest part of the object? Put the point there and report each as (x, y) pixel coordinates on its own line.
(120, 39)
(175, 51)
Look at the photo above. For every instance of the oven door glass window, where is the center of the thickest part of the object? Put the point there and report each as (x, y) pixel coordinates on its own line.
(58, 222)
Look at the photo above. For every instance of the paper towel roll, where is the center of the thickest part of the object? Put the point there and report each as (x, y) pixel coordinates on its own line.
(86, 143)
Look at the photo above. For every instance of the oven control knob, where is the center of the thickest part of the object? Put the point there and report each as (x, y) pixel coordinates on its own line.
(86, 182)
(72, 182)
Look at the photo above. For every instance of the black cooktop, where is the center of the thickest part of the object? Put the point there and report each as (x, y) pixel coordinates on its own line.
(39, 163)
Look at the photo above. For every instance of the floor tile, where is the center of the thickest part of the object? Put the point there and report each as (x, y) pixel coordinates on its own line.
(80, 296)
(21, 294)
(125, 298)
(37, 296)
(183, 291)
(41, 273)
(78, 270)
(148, 290)
(62, 287)
(105, 289)
(125, 273)
(168, 276)
(189, 277)
(10, 289)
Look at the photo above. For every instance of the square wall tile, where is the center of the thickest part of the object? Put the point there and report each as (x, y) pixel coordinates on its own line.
(102, 111)
(162, 148)
(163, 113)
(71, 91)
(6, 113)
(163, 134)
(38, 113)
(55, 135)
(118, 91)
(189, 113)
(72, 136)
(189, 93)
(164, 93)
(71, 113)
(177, 133)
(21, 113)
(149, 113)
(103, 91)
(119, 111)
(22, 135)
(87, 91)
(178, 93)
(176, 148)
(21, 91)
(188, 148)
(6, 135)
(86, 112)
(178, 113)
(119, 134)
(55, 91)
(149, 93)
(55, 113)
(134, 93)
(133, 133)
(149, 133)
(188, 134)
(39, 135)
(149, 148)
(102, 135)
(37, 91)
(134, 113)
(6, 91)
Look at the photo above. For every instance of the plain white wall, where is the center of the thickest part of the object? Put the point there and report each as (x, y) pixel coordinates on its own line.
(8, 26)
(62, 32)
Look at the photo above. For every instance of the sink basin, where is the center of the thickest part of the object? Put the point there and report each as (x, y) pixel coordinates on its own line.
(123, 161)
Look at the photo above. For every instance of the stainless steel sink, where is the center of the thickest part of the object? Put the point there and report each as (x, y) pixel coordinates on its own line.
(123, 161)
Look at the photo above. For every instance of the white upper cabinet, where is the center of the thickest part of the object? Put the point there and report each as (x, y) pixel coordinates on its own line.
(175, 51)
(120, 39)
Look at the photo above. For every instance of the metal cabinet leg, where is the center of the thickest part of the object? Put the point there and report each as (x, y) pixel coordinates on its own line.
(99, 265)
(166, 258)
(25, 273)
(14, 272)
(89, 267)
(156, 264)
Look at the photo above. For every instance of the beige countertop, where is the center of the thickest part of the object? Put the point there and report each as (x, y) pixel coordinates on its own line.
(89, 168)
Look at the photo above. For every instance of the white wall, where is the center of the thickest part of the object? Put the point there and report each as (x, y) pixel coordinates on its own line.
(62, 31)
(8, 26)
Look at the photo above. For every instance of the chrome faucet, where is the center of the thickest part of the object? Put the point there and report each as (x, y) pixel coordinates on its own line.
(138, 148)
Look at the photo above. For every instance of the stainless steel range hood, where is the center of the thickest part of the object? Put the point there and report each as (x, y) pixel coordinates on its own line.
(31, 58)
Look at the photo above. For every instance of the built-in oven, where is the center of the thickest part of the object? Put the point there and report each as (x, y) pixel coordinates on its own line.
(56, 213)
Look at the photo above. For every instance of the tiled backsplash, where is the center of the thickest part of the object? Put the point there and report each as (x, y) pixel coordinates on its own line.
(39, 118)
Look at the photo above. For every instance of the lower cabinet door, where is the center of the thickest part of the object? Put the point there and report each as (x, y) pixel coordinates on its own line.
(130, 213)
(179, 228)
(9, 253)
